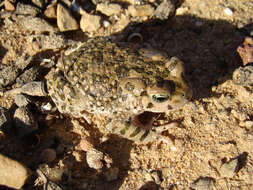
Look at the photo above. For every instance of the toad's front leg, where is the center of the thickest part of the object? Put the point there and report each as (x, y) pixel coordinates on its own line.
(135, 131)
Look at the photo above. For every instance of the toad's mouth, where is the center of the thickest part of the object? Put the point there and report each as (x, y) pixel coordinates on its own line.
(159, 98)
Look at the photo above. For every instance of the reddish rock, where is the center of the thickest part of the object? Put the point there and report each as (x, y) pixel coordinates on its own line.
(246, 51)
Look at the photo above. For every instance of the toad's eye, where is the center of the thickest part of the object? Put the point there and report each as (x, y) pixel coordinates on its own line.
(160, 97)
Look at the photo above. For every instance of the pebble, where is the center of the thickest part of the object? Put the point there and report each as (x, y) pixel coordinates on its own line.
(9, 6)
(246, 51)
(90, 23)
(12, 173)
(94, 159)
(109, 9)
(38, 43)
(228, 169)
(165, 9)
(181, 10)
(4, 119)
(48, 155)
(36, 24)
(24, 121)
(243, 76)
(228, 11)
(39, 3)
(31, 88)
(22, 100)
(141, 10)
(8, 74)
(50, 11)
(28, 76)
(65, 20)
(203, 183)
(106, 23)
(85, 144)
(26, 9)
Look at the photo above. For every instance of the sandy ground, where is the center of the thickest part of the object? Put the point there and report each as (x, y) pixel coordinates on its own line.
(214, 129)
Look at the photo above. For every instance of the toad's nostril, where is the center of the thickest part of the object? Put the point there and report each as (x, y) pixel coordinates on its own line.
(160, 97)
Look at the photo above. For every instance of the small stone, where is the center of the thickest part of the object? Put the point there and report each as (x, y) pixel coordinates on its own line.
(228, 169)
(165, 9)
(4, 119)
(50, 11)
(85, 144)
(112, 174)
(246, 51)
(9, 6)
(109, 9)
(31, 88)
(12, 173)
(243, 76)
(90, 23)
(36, 24)
(21, 100)
(24, 121)
(203, 183)
(26, 9)
(141, 10)
(181, 10)
(106, 23)
(8, 74)
(121, 24)
(39, 3)
(48, 155)
(94, 159)
(28, 76)
(228, 11)
(65, 20)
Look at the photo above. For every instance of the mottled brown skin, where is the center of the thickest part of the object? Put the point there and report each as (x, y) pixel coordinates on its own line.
(118, 82)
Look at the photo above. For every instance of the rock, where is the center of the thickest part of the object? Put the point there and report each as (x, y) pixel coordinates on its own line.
(109, 9)
(8, 74)
(65, 20)
(28, 76)
(85, 144)
(141, 10)
(12, 173)
(22, 100)
(26, 9)
(9, 6)
(5, 122)
(39, 43)
(165, 9)
(48, 155)
(121, 24)
(243, 76)
(229, 169)
(24, 121)
(96, 159)
(90, 23)
(112, 174)
(246, 51)
(50, 11)
(39, 3)
(31, 88)
(203, 183)
(35, 24)
(228, 11)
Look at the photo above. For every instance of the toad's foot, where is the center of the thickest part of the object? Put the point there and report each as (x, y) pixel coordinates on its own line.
(138, 134)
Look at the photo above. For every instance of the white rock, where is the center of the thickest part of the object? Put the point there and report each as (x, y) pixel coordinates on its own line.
(90, 23)
(109, 9)
(65, 20)
(228, 11)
